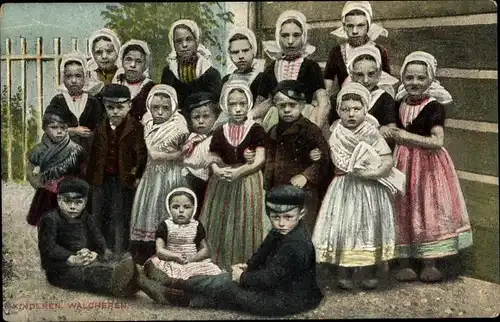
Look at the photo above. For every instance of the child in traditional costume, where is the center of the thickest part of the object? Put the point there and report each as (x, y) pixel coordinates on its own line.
(73, 251)
(289, 52)
(355, 225)
(104, 45)
(189, 69)
(86, 111)
(165, 135)
(53, 159)
(204, 113)
(135, 58)
(242, 47)
(288, 148)
(233, 211)
(280, 277)
(432, 219)
(117, 161)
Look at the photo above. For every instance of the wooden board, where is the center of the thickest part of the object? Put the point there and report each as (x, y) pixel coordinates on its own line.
(453, 46)
(482, 204)
(472, 151)
(332, 10)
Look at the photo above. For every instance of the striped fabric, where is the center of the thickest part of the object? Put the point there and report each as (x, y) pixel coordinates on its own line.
(181, 240)
(187, 73)
(236, 132)
(408, 113)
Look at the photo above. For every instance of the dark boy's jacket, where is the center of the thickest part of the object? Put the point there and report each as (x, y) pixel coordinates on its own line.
(92, 115)
(285, 266)
(60, 237)
(287, 153)
(131, 153)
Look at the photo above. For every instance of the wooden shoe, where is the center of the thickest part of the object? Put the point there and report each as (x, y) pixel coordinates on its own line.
(345, 284)
(122, 276)
(406, 275)
(431, 275)
(370, 283)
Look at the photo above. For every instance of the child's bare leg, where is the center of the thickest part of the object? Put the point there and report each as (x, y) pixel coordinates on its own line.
(345, 278)
(429, 272)
(406, 272)
(370, 280)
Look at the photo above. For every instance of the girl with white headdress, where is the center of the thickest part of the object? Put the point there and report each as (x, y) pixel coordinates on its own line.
(355, 224)
(189, 69)
(290, 54)
(182, 250)
(165, 135)
(241, 45)
(84, 110)
(233, 211)
(135, 58)
(357, 30)
(104, 45)
(432, 219)
(365, 67)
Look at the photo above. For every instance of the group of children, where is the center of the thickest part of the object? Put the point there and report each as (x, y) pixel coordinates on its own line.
(178, 171)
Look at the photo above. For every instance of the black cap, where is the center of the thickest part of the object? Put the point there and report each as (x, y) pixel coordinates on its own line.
(198, 99)
(291, 88)
(115, 92)
(284, 197)
(61, 113)
(74, 185)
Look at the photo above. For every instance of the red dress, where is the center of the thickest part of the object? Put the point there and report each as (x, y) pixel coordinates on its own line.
(432, 219)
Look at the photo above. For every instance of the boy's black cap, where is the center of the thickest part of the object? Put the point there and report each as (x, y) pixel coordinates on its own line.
(198, 99)
(284, 197)
(116, 93)
(74, 185)
(64, 114)
(291, 88)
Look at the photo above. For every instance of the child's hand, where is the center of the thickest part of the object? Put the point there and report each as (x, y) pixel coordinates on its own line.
(299, 181)
(36, 171)
(75, 260)
(136, 182)
(232, 174)
(386, 131)
(219, 172)
(82, 131)
(191, 258)
(315, 154)
(179, 258)
(249, 155)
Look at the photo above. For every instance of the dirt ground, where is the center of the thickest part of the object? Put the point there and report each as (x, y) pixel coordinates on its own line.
(28, 297)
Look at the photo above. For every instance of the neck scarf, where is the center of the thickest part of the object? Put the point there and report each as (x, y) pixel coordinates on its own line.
(236, 133)
(273, 48)
(92, 66)
(56, 159)
(203, 54)
(374, 30)
(435, 89)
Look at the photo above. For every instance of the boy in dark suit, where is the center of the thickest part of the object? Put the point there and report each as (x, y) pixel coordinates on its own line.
(73, 251)
(289, 145)
(117, 160)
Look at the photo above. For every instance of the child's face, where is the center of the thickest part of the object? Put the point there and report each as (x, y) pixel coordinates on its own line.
(366, 73)
(71, 204)
(74, 78)
(105, 54)
(241, 54)
(285, 222)
(56, 131)
(117, 112)
(356, 28)
(134, 64)
(237, 105)
(351, 113)
(181, 209)
(161, 109)
(184, 43)
(202, 119)
(416, 79)
(291, 38)
(289, 110)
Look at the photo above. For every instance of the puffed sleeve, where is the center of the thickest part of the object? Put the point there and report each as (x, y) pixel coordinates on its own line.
(315, 79)
(217, 142)
(385, 110)
(162, 231)
(438, 114)
(331, 69)
(385, 59)
(200, 235)
(268, 82)
(257, 136)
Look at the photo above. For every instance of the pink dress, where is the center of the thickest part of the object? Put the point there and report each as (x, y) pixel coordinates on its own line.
(432, 219)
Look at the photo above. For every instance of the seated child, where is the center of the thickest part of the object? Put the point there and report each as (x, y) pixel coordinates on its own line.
(280, 277)
(204, 113)
(51, 160)
(181, 248)
(73, 251)
(117, 162)
(165, 135)
(288, 148)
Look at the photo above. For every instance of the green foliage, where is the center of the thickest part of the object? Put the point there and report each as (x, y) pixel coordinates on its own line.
(151, 22)
(15, 132)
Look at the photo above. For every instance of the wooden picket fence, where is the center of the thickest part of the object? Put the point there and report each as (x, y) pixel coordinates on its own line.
(39, 57)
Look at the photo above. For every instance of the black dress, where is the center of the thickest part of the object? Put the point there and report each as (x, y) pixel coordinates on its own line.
(254, 87)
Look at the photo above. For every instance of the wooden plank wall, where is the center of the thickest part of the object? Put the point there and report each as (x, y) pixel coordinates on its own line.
(462, 35)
